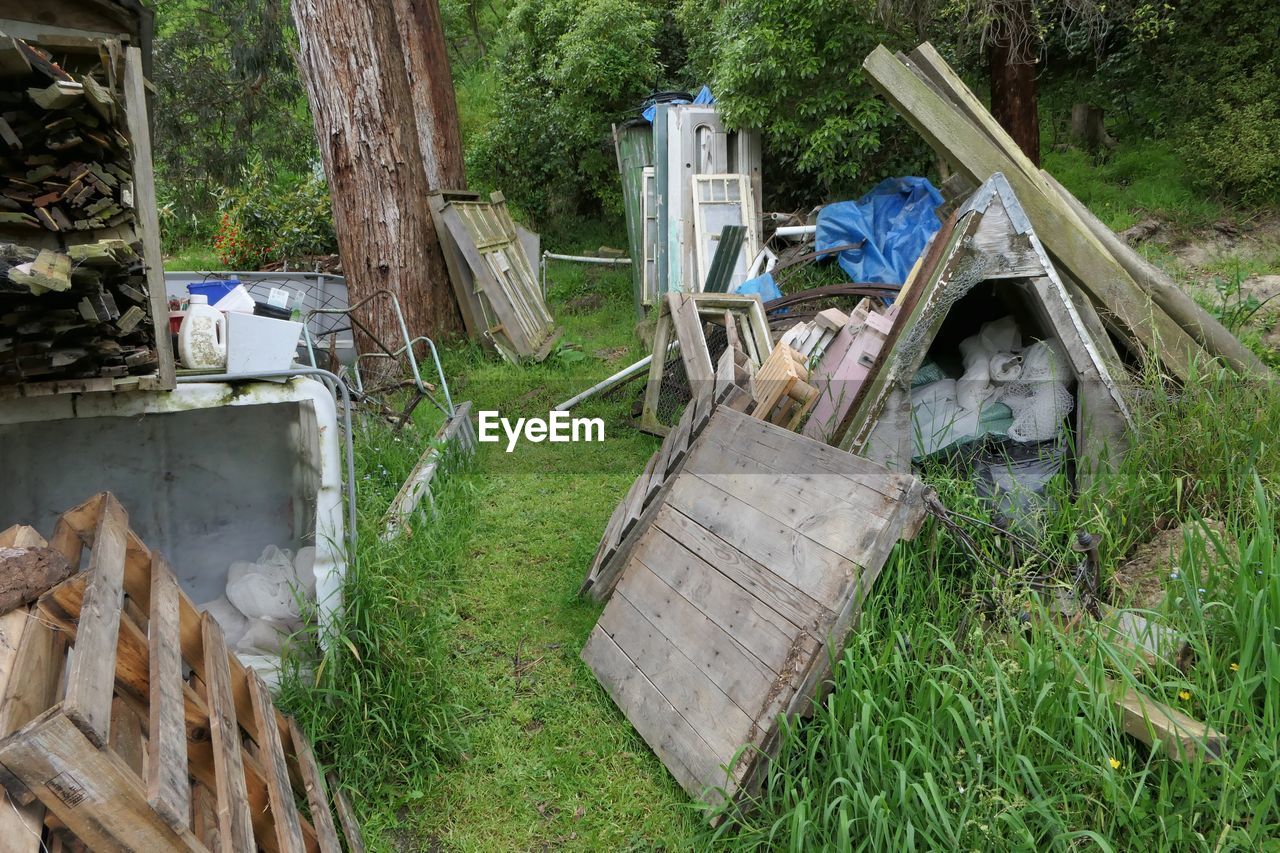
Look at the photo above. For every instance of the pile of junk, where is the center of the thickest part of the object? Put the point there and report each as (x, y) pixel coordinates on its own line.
(991, 324)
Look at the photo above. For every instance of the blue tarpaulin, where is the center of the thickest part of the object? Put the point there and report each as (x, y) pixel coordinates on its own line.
(703, 97)
(762, 285)
(894, 220)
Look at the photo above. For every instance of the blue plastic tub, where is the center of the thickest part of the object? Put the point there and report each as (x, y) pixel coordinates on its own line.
(213, 289)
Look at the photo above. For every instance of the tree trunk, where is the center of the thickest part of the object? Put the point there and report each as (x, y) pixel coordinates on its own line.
(426, 61)
(1012, 69)
(353, 64)
(1088, 130)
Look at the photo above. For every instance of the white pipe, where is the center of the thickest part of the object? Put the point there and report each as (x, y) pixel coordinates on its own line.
(618, 378)
(795, 230)
(581, 259)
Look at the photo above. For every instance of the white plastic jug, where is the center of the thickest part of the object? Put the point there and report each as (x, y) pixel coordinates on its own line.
(202, 338)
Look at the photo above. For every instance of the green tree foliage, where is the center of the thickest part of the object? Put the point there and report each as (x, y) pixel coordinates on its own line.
(567, 69)
(226, 88)
(794, 69)
(269, 215)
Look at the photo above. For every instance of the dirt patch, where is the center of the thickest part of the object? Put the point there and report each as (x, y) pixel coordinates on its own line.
(611, 354)
(1141, 580)
(585, 303)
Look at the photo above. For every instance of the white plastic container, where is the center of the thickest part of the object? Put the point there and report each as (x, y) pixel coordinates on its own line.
(202, 338)
(260, 344)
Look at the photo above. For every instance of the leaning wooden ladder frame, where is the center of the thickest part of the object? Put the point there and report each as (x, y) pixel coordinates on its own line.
(107, 740)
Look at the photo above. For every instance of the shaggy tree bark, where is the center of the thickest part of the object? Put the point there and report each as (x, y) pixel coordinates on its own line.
(352, 58)
(426, 61)
(1012, 71)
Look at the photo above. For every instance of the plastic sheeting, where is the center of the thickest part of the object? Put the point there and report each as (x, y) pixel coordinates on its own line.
(894, 220)
(703, 97)
(762, 285)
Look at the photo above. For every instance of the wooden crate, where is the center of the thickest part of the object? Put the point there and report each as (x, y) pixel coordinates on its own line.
(138, 755)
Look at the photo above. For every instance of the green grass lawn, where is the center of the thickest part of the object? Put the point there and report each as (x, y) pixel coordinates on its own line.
(451, 701)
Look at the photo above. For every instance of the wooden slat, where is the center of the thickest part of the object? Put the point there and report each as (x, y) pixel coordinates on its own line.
(693, 343)
(653, 716)
(722, 725)
(235, 823)
(951, 133)
(22, 536)
(167, 788)
(144, 203)
(346, 817)
(317, 793)
(1155, 723)
(283, 809)
(204, 817)
(29, 670)
(126, 735)
(90, 678)
(90, 790)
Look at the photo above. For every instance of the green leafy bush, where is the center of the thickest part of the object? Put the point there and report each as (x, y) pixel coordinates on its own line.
(273, 217)
(794, 68)
(1234, 145)
(567, 69)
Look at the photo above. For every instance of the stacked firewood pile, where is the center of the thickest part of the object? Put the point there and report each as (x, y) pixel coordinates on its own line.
(73, 292)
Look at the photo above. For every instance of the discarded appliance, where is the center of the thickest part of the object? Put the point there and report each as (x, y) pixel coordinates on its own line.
(739, 561)
(82, 303)
(106, 743)
(277, 480)
(682, 318)
(493, 278)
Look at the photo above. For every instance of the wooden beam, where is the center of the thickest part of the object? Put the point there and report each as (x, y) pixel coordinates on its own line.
(235, 823)
(954, 136)
(91, 683)
(167, 787)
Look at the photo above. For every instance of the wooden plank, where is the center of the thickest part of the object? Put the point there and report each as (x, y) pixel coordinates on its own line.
(283, 810)
(90, 790)
(954, 136)
(90, 680)
(459, 274)
(204, 817)
(788, 601)
(668, 735)
(317, 793)
(28, 681)
(737, 672)
(167, 788)
(235, 823)
(1156, 724)
(346, 817)
(126, 735)
(722, 726)
(144, 203)
(803, 563)
(653, 387)
(755, 625)
(679, 447)
(693, 343)
(22, 536)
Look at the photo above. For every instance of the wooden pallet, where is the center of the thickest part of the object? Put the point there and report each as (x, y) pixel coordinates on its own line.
(781, 389)
(135, 755)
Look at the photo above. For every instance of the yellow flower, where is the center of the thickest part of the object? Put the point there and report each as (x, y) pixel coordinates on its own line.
(1184, 695)
(1235, 667)
(1115, 763)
